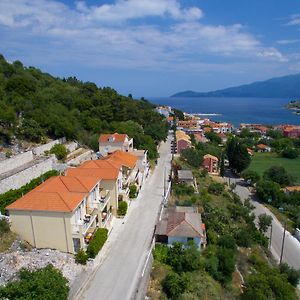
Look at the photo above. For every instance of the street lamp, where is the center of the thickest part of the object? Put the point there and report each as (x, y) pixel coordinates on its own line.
(282, 246)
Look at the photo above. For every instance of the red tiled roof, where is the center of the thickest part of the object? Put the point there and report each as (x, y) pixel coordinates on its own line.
(123, 158)
(112, 138)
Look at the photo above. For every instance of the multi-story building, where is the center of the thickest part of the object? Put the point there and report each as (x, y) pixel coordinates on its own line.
(109, 143)
(211, 164)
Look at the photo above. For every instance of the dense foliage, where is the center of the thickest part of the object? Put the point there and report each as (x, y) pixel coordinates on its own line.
(97, 242)
(237, 154)
(122, 208)
(279, 175)
(43, 284)
(12, 195)
(35, 104)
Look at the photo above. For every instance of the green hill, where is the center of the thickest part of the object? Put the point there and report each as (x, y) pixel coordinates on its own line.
(35, 105)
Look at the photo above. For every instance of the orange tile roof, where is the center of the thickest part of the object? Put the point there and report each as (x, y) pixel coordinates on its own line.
(293, 188)
(59, 193)
(124, 158)
(105, 174)
(100, 163)
(261, 146)
(117, 138)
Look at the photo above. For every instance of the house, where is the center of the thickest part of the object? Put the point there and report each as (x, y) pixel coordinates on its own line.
(62, 213)
(164, 110)
(142, 165)
(210, 163)
(290, 189)
(263, 148)
(186, 176)
(181, 224)
(183, 141)
(291, 131)
(109, 143)
(200, 138)
(223, 137)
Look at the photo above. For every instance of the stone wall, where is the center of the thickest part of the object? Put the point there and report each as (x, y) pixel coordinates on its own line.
(46, 147)
(21, 178)
(81, 158)
(72, 146)
(15, 162)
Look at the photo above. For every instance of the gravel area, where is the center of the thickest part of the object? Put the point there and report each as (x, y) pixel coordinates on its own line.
(12, 261)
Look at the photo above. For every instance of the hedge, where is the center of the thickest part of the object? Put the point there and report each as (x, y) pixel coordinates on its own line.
(97, 242)
(12, 195)
(122, 208)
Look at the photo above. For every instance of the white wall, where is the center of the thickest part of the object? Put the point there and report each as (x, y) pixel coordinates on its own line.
(15, 162)
(46, 147)
(19, 179)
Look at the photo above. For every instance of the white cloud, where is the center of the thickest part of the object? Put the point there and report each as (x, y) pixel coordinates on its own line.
(294, 20)
(286, 42)
(106, 35)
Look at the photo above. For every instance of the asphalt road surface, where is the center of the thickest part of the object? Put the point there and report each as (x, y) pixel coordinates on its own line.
(291, 250)
(119, 273)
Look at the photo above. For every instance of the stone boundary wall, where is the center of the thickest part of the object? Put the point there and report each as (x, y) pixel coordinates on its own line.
(19, 179)
(15, 162)
(46, 147)
(72, 146)
(81, 158)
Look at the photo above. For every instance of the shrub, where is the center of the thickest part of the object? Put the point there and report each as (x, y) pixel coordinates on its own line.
(122, 208)
(182, 189)
(97, 242)
(4, 226)
(81, 257)
(251, 176)
(279, 175)
(174, 285)
(132, 191)
(293, 276)
(216, 188)
(290, 153)
(46, 283)
(60, 151)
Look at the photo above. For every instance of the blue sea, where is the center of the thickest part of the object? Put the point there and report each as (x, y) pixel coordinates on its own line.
(267, 111)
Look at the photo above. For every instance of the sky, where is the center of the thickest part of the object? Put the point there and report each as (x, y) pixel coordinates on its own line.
(154, 48)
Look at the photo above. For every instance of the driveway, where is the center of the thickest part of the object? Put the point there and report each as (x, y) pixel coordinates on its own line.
(291, 252)
(119, 273)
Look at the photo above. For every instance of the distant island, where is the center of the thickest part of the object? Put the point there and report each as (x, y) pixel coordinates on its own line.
(280, 87)
(294, 105)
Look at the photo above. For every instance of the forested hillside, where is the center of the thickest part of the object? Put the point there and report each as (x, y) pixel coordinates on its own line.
(35, 105)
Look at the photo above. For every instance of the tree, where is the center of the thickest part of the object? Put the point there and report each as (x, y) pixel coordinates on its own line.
(251, 176)
(175, 285)
(267, 190)
(290, 153)
(213, 137)
(238, 156)
(216, 188)
(222, 166)
(293, 276)
(47, 283)
(193, 157)
(60, 151)
(279, 175)
(264, 222)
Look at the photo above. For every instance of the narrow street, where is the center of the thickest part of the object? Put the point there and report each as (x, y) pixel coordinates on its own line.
(291, 252)
(119, 273)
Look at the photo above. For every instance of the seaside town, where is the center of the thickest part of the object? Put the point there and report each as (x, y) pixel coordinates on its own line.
(70, 210)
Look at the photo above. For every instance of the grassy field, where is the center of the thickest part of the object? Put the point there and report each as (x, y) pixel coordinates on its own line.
(263, 161)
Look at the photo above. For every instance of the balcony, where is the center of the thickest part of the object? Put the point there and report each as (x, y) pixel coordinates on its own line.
(106, 219)
(104, 198)
(82, 226)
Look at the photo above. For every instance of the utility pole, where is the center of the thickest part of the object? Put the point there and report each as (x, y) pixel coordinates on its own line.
(164, 181)
(283, 238)
(270, 245)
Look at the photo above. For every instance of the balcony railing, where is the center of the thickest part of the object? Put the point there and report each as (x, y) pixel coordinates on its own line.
(104, 198)
(106, 218)
(83, 226)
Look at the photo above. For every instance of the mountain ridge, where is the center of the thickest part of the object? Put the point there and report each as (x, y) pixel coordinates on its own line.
(277, 87)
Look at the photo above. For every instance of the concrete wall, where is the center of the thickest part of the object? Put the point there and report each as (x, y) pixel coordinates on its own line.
(15, 162)
(21, 178)
(81, 158)
(72, 146)
(46, 147)
(43, 229)
(111, 185)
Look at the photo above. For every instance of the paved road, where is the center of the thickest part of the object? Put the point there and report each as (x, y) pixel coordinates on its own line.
(118, 275)
(291, 253)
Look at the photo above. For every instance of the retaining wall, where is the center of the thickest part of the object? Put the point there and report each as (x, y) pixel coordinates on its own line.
(15, 162)
(21, 178)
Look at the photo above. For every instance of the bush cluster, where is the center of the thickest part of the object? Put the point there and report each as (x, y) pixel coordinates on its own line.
(132, 191)
(216, 188)
(122, 208)
(60, 151)
(97, 242)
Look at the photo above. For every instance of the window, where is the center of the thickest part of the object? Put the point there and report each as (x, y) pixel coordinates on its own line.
(189, 239)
